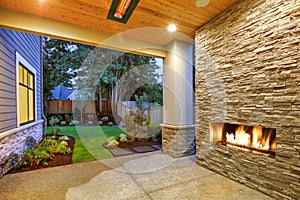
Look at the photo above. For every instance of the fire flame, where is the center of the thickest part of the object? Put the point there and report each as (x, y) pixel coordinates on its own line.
(256, 139)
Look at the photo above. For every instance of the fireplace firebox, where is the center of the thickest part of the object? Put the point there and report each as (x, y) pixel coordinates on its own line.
(256, 139)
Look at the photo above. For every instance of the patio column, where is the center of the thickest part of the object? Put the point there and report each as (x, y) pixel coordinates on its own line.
(178, 123)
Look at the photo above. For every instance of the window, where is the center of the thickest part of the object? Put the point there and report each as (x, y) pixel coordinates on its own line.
(26, 95)
(26, 91)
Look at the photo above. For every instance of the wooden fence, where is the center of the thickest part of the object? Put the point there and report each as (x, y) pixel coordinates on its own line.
(70, 106)
(155, 114)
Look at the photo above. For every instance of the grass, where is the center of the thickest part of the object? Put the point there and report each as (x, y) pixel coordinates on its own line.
(89, 140)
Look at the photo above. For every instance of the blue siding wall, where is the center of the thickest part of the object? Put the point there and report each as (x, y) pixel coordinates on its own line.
(28, 46)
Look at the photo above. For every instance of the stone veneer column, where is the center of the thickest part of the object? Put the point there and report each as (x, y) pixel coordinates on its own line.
(178, 124)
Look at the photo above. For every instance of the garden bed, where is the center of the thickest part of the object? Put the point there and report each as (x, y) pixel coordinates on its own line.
(58, 160)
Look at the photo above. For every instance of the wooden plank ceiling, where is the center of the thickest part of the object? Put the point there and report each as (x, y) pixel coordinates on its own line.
(157, 14)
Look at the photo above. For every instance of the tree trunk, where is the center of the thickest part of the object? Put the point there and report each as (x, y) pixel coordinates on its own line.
(100, 98)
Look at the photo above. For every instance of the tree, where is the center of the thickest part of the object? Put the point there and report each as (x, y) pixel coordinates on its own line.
(96, 70)
(122, 73)
(61, 59)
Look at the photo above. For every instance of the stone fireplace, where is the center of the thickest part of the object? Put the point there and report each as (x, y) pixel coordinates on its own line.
(255, 139)
(247, 76)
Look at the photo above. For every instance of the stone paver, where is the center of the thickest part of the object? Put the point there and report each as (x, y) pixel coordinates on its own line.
(121, 151)
(143, 149)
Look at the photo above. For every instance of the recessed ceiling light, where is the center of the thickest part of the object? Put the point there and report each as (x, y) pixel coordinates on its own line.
(172, 28)
(202, 3)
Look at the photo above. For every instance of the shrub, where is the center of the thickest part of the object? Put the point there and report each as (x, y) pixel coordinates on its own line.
(90, 117)
(110, 123)
(104, 119)
(44, 151)
(89, 123)
(134, 125)
(153, 130)
(111, 141)
(74, 122)
(54, 121)
(123, 138)
(100, 122)
(68, 118)
(63, 123)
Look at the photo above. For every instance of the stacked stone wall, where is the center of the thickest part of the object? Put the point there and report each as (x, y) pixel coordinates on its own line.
(13, 145)
(248, 73)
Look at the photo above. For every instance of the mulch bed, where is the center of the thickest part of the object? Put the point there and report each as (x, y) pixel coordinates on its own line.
(58, 160)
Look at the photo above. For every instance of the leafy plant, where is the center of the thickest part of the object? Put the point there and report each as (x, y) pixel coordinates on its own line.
(74, 122)
(44, 151)
(90, 117)
(142, 102)
(100, 122)
(89, 123)
(63, 123)
(123, 138)
(134, 125)
(68, 118)
(153, 130)
(110, 123)
(111, 141)
(54, 121)
(104, 119)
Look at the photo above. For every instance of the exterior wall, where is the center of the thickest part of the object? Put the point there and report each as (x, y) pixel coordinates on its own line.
(16, 142)
(13, 139)
(248, 72)
(28, 46)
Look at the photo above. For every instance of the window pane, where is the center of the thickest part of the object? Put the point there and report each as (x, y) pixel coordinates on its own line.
(23, 104)
(30, 81)
(31, 105)
(25, 77)
(21, 74)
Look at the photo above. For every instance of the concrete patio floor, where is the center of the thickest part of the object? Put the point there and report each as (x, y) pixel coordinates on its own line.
(141, 176)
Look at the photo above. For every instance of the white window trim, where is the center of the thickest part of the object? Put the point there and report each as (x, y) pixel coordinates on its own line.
(21, 59)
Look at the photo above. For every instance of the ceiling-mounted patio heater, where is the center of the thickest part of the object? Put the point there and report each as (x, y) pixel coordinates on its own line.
(121, 10)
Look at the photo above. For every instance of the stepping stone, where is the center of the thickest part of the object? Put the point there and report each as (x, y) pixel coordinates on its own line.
(157, 146)
(143, 149)
(121, 152)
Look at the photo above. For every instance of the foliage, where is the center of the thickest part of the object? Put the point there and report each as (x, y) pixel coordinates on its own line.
(90, 117)
(154, 92)
(74, 122)
(142, 102)
(134, 125)
(123, 138)
(68, 118)
(89, 123)
(44, 151)
(63, 123)
(100, 122)
(111, 141)
(54, 120)
(104, 119)
(110, 123)
(61, 59)
(153, 130)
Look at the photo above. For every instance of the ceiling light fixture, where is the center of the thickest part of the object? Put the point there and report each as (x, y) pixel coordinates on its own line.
(121, 10)
(202, 3)
(172, 28)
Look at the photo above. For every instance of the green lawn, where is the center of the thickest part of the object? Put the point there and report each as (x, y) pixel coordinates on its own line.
(89, 140)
